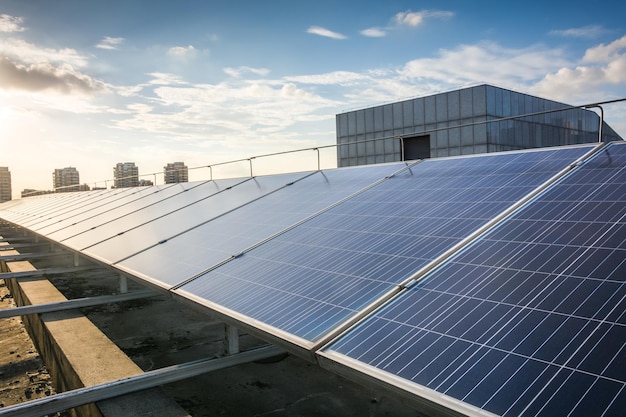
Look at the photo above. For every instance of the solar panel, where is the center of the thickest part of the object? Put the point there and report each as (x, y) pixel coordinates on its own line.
(99, 207)
(98, 216)
(188, 210)
(74, 205)
(208, 244)
(304, 283)
(530, 320)
(124, 218)
(36, 208)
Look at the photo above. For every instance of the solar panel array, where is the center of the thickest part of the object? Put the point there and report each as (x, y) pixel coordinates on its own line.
(311, 279)
(487, 284)
(530, 319)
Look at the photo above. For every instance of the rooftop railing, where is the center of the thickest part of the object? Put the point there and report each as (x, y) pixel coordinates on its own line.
(400, 138)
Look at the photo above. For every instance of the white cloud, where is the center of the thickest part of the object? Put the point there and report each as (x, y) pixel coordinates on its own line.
(28, 53)
(240, 71)
(317, 30)
(604, 68)
(162, 78)
(11, 23)
(486, 62)
(239, 110)
(109, 43)
(406, 19)
(344, 78)
(581, 32)
(183, 52)
(605, 53)
(415, 19)
(44, 76)
(374, 32)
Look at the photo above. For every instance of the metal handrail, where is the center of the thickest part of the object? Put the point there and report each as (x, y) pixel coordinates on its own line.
(400, 138)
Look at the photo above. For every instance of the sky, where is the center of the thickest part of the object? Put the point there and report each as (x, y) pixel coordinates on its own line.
(88, 84)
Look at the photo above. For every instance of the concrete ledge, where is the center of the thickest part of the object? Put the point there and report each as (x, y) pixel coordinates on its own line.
(78, 354)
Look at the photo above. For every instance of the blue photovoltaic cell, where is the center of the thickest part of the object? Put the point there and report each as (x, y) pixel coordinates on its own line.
(309, 280)
(530, 320)
(205, 246)
(169, 223)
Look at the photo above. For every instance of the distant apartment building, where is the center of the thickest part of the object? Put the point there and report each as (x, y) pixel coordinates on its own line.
(175, 172)
(126, 174)
(5, 184)
(65, 179)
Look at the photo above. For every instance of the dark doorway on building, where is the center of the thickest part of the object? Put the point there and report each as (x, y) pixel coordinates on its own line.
(416, 147)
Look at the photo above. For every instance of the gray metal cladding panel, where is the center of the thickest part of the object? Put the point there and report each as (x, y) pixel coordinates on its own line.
(77, 217)
(205, 246)
(312, 278)
(201, 209)
(118, 209)
(144, 212)
(530, 320)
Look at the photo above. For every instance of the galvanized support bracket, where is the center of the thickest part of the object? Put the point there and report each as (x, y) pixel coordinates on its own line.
(75, 303)
(47, 271)
(22, 245)
(27, 256)
(75, 398)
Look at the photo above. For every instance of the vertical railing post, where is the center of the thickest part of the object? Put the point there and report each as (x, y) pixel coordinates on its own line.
(318, 159)
(601, 119)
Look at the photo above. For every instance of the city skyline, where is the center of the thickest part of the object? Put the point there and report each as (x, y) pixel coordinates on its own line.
(206, 82)
(64, 179)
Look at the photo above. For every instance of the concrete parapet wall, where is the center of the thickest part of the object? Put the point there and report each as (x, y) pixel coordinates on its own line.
(77, 354)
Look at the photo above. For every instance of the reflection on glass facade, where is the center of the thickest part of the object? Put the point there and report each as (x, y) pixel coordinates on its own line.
(427, 126)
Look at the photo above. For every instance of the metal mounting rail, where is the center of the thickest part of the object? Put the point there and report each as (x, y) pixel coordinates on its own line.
(75, 398)
(27, 256)
(17, 239)
(47, 271)
(75, 303)
(22, 245)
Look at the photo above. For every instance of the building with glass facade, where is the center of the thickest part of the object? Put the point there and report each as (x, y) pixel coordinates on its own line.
(461, 122)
